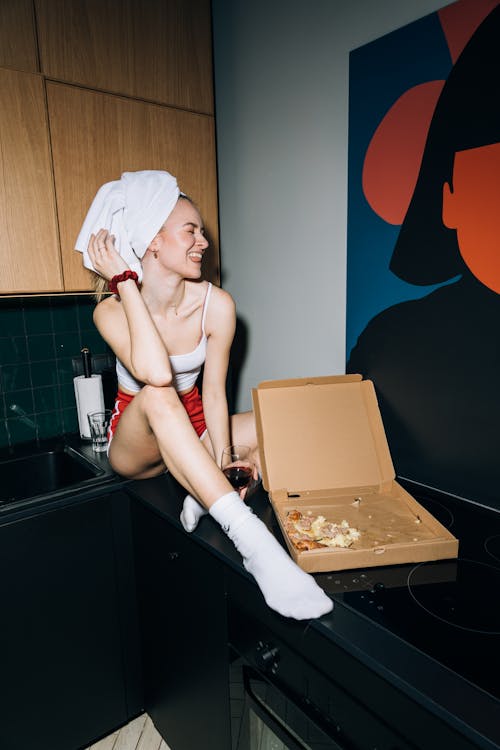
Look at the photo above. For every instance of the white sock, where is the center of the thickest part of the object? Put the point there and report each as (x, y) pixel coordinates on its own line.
(286, 588)
(191, 513)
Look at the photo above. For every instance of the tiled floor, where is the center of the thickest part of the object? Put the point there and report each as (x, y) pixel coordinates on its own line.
(139, 734)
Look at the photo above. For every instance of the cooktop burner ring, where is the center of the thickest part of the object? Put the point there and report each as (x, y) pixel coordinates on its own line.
(440, 512)
(492, 546)
(461, 602)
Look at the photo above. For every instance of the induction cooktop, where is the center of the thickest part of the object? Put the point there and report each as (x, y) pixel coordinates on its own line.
(450, 609)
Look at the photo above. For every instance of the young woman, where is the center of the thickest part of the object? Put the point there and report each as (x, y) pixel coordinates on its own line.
(162, 331)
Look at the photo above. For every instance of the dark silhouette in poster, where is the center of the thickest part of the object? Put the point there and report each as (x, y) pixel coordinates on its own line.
(435, 361)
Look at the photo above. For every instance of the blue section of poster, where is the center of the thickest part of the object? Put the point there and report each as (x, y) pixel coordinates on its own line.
(379, 73)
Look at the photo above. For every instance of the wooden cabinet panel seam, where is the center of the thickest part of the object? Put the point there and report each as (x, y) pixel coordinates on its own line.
(124, 95)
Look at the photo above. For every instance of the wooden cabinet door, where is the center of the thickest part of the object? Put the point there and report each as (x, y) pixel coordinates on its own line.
(18, 47)
(96, 137)
(29, 252)
(158, 50)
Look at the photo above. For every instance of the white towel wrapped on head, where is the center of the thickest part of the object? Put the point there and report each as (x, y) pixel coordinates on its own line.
(133, 209)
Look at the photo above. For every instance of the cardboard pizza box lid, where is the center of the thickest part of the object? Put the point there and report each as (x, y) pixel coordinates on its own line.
(321, 433)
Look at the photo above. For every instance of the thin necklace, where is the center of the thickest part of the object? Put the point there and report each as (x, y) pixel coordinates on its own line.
(177, 304)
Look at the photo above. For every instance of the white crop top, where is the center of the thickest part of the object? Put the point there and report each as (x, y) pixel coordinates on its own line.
(185, 367)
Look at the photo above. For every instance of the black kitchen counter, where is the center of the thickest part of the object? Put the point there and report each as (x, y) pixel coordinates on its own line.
(352, 644)
(471, 712)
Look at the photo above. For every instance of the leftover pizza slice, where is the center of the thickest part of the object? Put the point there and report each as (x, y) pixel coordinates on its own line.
(308, 532)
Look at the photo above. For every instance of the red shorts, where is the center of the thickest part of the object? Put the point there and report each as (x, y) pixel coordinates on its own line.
(191, 402)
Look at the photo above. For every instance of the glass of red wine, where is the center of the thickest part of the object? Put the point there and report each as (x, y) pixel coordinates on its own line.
(237, 466)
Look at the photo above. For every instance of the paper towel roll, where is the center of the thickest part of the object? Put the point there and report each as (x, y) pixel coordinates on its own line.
(89, 397)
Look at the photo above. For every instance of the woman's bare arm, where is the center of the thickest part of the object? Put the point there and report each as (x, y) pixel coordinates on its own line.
(127, 325)
(220, 326)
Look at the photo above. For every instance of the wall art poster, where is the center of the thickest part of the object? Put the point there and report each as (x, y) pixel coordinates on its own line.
(423, 278)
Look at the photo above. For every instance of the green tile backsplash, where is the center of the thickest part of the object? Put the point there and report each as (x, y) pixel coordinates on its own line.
(38, 338)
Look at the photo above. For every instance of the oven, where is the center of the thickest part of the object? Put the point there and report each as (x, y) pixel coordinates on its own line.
(272, 719)
(281, 701)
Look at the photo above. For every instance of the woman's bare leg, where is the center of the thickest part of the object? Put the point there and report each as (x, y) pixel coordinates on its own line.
(243, 428)
(154, 432)
(243, 433)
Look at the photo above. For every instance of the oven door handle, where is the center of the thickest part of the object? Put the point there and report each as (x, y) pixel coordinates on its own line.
(272, 721)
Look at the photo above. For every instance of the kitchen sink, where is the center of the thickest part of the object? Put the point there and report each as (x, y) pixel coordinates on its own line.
(44, 472)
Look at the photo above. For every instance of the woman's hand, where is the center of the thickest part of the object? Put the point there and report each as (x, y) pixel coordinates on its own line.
(104, 256)
(250, 488)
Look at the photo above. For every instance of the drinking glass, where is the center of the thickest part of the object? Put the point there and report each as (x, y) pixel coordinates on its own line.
(237, 465)
(99, 423)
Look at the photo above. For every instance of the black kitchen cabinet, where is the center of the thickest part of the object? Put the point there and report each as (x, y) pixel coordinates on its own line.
(70, 669)
(184, 634)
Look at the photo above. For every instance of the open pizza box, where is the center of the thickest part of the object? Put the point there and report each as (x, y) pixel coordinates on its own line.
(324, 452)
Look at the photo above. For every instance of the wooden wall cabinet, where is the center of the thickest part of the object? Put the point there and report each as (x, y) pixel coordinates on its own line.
(159, 49)
(18, 46)
(29, 248)
(123, 86)
(96, 137)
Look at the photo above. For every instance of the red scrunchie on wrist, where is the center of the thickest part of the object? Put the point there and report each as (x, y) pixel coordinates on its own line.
(112, 285)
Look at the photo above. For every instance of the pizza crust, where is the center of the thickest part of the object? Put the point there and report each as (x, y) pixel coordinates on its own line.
(304, 545)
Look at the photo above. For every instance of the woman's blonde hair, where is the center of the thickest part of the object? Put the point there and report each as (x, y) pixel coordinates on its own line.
(100, 287)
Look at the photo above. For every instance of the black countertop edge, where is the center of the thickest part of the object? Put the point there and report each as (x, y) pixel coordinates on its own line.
(431, 684)
(438, 689)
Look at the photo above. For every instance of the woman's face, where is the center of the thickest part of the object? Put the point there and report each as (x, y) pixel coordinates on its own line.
(472, 207)
(181, 242)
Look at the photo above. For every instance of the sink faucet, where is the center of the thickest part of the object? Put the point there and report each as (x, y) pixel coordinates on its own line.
(23, 417)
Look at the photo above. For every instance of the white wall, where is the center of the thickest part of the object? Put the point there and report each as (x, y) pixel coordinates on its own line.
(281, 84)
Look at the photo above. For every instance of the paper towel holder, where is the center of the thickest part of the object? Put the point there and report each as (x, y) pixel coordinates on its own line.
(89, 397)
